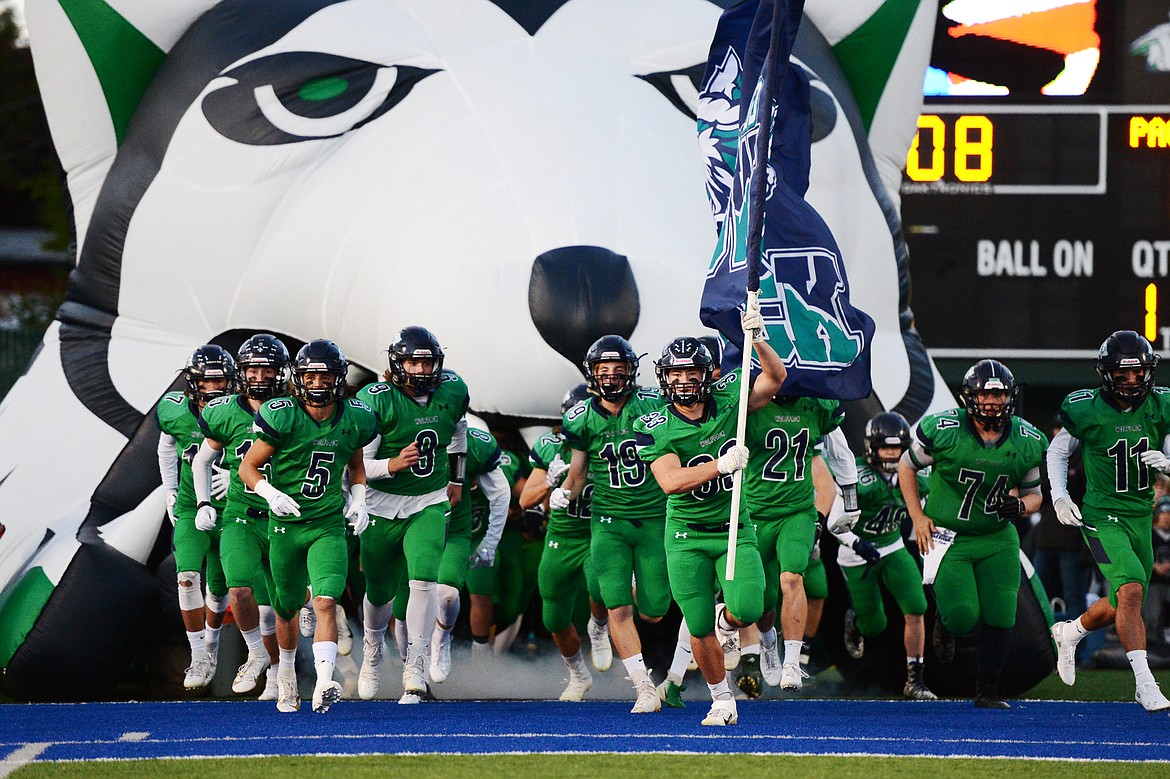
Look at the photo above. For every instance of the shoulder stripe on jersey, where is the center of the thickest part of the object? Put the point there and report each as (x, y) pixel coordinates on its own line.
(266, 428)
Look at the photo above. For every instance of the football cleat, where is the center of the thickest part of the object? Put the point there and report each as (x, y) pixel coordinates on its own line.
(198, 674)
(750, 682)
(671, 694)
(325, 694)
(344, 634)
(792, 676)
(647, 700)
(854, 641)
(1066, 637)
(440, 655)
(916, 689)
(413, 682)
(943, 642)
(580, 680)
(1151, 697)
(288, 699)
(987, 696)
(770, 664)
(270, 687)
(601, 651)
(308, 621)
(249, 674)
(722, 713)
(370, 675)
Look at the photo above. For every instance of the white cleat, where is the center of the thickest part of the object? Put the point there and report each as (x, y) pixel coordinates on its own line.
(600, 650)
(198, 674)
(648, 700)
(344, 634)
(579, 684)
(249, 674)
(728, 639)
(722, 713)
(370, 675)
(212, 662)
(792, 676)
(288, 699)
(308, 622)
(325, 694)
(271, 692)
(1065, 635)
(1151, 698)
(770, 664)
(440, 655)
(414, 685)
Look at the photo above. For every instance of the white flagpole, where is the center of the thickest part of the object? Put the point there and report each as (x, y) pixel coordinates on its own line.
(745, 374)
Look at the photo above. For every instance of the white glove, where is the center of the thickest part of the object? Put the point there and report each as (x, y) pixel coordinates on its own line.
(357, 513)
(171, 497)
(205, 519)
(556, 471)
(735, 460)
(484, 556)
(1067, 511)
(1156, 460)
(220, 479)
(843, 522)
(278, 503)
(752, 320)
(559, 498)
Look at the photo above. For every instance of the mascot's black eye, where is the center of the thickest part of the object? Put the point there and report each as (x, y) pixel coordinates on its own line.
(300, 96)
(680, 87)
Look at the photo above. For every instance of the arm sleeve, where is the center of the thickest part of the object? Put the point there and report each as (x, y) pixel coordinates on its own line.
(458, 443)
(1062, 447)
(168, 462)
(375, 469)
(916, 456)
(840, 458)
(201, 471)
(495, 488)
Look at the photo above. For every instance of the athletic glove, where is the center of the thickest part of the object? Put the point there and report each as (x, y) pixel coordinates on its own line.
(531, 522)
(752, 321)
(220, 480)
(867, 550)
(558, 499)
(735, 460)
(171, 497)
(205, 518)
(1156, 460)
(357, 514)
(1067, 512)
(484, 556)
(278, 503)
(556, 472)
(1007, 506)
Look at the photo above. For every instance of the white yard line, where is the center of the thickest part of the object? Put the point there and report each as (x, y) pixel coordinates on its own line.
(22, 756)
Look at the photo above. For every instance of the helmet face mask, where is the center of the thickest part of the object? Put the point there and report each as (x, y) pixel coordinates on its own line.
(611, 367)
(1126, 364)
(263, 351)
(985, 384)
(685, 355)
(209, 363)
(888, 430)
(319, 357)
(415, 344)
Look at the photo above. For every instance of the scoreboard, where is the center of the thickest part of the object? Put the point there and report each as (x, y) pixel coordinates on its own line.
(1038, 219)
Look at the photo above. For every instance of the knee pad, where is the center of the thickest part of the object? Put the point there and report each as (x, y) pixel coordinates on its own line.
(267, 621)
(190, 591)
(447, 594)
(418, 585)
(217, 603)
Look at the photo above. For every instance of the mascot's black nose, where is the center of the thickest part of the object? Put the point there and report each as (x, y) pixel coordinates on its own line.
(578, 294)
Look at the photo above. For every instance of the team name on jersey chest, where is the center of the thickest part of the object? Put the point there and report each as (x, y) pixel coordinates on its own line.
(426, 420)
(1129, 429)
(782, 418)
(714, 438)
(325, 442)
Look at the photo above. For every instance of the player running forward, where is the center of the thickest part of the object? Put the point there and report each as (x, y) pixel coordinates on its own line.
(262, 365)
(307, 442)
(979, 454)
(209, 374)
(416, 471)
(628, 507)
(873, 554)
(566, 565)
(1121, 429)
(692, 451)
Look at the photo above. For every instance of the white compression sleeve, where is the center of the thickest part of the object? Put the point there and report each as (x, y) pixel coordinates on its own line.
(201, 471)
(840, 458)
(168, 462)
(1062, 447)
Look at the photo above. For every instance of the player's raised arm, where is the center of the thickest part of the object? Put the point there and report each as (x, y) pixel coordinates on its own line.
(772, 370)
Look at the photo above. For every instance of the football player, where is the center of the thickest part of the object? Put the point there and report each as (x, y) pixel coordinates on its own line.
(262, 366)
(628, 507)
(985, 473)
(209, 374)
(416, 467)
(1122, 431)
(308, 441)
(692, 450)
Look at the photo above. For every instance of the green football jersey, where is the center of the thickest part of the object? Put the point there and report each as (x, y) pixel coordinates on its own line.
(402, 421)
(781, 436)
(622, 483)
(1117, 483)
(513, 469)
(883, 509)
(572, 521)
(178, 417)
(695, 442)
(967, 474)
(483, 456)
(229, 421)
(311, 456)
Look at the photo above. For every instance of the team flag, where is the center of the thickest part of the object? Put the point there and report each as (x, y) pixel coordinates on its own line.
(804, 293)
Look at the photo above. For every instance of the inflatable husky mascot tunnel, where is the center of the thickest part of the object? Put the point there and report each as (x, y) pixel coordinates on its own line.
(520, 177)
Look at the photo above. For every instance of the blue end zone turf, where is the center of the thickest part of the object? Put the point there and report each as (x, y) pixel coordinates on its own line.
(1031, 729)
